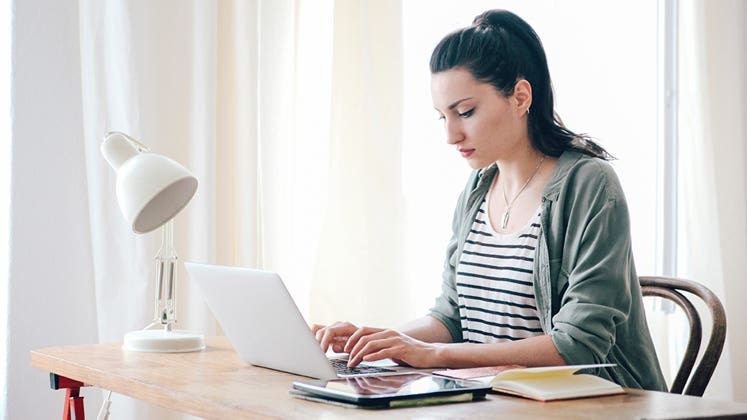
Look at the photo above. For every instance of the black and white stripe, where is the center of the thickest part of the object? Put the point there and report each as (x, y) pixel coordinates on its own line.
(495, 282)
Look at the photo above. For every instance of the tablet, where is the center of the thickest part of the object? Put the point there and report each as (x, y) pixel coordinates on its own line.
(394, 390)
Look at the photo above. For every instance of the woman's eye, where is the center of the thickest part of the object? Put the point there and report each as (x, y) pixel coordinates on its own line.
(441, 117)
(467, 114)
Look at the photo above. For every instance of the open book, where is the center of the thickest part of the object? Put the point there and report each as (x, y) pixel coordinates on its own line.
(540, 383)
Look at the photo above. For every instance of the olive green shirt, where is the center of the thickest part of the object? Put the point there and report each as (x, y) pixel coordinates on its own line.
(585, 284)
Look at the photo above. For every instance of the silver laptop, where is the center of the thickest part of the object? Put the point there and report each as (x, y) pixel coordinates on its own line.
(263, 323)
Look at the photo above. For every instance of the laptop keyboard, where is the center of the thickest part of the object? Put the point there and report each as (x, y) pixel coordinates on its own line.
(341, 366)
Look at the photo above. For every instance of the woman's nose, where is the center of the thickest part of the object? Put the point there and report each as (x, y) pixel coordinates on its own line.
(454, 132)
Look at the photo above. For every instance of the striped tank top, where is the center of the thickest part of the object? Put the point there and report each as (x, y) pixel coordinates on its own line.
(495, 282)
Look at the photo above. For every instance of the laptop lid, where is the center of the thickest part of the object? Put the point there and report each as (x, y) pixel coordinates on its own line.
(260, 318)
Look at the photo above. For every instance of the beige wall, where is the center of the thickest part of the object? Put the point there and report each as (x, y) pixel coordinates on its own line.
(726, 59)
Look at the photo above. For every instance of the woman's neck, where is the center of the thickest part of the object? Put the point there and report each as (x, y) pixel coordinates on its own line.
(515, 170)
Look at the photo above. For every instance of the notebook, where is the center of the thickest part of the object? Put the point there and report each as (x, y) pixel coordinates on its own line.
(540, 383)
(264, 325)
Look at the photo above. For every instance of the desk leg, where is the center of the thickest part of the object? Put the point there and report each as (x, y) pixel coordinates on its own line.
(73, 400)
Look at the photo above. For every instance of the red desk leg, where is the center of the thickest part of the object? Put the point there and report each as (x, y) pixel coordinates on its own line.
(73, 400)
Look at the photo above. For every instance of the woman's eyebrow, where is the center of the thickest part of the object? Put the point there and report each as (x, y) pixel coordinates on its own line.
(452, 106)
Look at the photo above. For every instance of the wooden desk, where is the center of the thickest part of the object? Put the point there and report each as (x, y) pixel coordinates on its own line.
(216, 384)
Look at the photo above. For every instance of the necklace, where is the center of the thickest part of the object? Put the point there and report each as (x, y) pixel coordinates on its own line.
(504, 220)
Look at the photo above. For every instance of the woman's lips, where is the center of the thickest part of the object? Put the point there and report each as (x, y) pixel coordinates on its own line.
(466, 152)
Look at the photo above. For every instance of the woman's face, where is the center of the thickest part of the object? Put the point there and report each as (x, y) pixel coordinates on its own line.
(484, 125)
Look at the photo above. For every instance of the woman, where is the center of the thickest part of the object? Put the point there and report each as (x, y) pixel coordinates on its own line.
(539, 270)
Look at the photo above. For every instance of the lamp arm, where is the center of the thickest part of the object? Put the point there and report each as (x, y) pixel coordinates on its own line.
(166, 270)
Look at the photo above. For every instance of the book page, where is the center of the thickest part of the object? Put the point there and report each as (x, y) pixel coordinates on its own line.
(514, 371)
(549, 371)
(560, 387)
(479, 372)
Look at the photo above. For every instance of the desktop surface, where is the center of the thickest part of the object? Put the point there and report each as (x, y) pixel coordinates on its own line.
(216, 384)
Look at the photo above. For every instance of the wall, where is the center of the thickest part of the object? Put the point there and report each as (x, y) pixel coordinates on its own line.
(48, 191)
(726, 67)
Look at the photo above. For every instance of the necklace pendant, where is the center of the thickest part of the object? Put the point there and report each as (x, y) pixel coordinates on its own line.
(504, 220)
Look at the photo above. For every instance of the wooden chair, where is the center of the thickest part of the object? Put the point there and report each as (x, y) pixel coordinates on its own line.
(671, 288)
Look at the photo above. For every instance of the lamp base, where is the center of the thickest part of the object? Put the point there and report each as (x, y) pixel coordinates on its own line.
(163, 341)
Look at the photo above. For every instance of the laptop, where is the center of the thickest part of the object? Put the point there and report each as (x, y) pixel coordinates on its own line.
(263, 323)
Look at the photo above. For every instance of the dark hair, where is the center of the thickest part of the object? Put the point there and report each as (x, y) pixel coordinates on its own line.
(500, 48)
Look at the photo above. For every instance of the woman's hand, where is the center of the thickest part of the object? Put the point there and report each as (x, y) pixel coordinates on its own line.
(340, 336)
(368, 346)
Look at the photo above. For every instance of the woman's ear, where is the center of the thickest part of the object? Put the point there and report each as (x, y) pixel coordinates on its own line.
(523, 96)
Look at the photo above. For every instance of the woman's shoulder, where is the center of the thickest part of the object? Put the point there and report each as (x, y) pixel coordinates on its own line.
(585, 164)
(578, 171)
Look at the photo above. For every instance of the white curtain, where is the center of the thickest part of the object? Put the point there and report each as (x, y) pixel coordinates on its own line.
(240, 92)
(243, 93)
(149, 69)
(713, 181)
(361, 261)
(188, 79)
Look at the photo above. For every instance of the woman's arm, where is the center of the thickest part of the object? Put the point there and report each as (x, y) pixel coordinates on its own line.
(427, 329)
(424, 343)
(532, 351)
(343, 336)
(597, 273)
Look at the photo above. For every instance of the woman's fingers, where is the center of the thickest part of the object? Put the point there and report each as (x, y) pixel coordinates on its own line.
(361, 337)
(371, 343)
(390, 344)
(343, 336)
(356, 336)
(335, 335)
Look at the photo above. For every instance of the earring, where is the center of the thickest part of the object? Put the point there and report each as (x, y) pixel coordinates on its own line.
(527, 111)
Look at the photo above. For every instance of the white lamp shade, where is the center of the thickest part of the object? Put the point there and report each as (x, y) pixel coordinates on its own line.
(151, 188)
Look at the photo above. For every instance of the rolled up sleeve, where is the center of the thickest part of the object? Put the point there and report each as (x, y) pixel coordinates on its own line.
(595, 281)
(446, 308)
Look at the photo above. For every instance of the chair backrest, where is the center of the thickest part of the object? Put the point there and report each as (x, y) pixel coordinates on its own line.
(670, 288)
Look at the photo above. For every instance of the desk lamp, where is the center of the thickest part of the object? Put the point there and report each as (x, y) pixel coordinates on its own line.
(151, 190)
